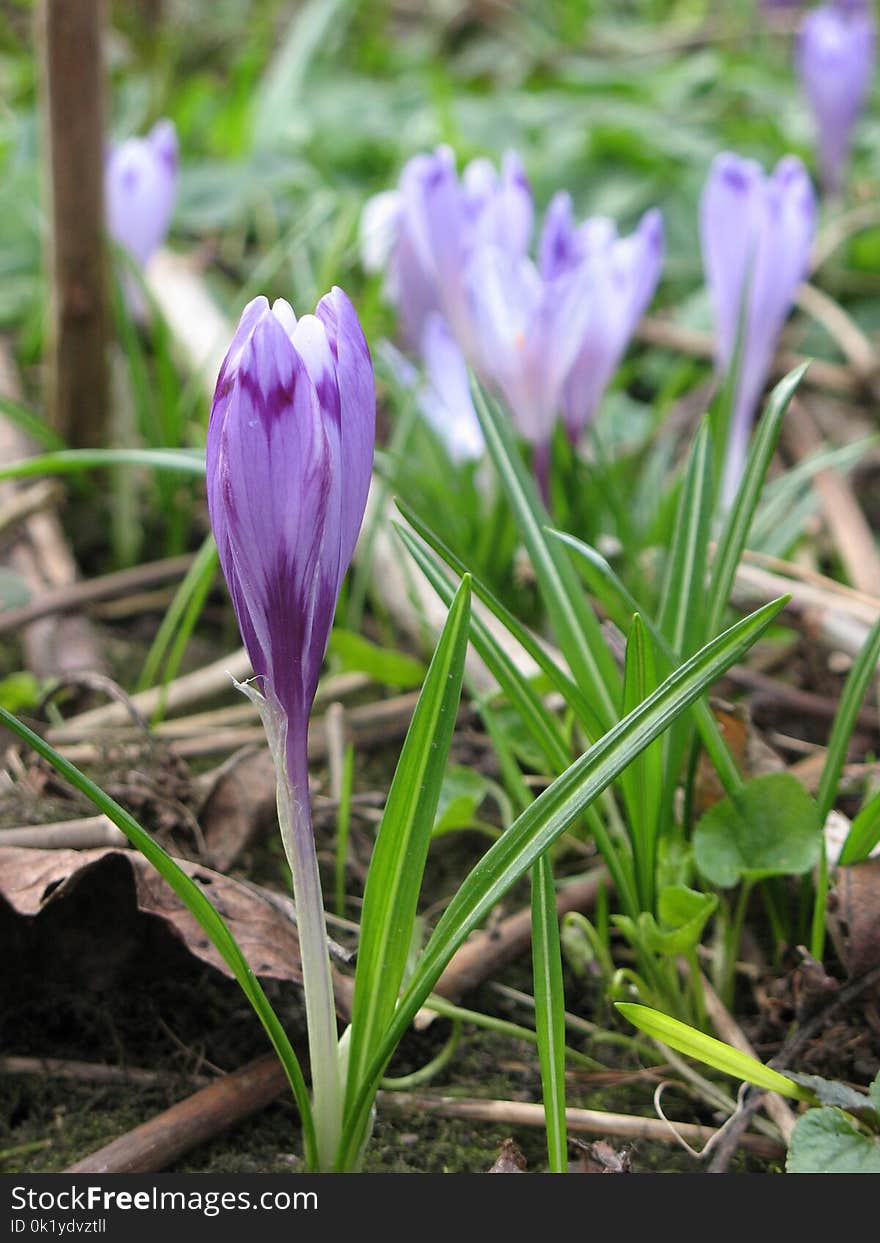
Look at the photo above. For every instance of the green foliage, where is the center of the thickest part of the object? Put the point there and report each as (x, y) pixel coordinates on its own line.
(768, 828)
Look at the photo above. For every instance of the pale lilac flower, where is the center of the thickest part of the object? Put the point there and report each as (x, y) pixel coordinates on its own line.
(289, 455)
(835, 59)
(426, 232)
(756, 232)
(622, 275)
(140, 184)
(441, 390)
(528, 331)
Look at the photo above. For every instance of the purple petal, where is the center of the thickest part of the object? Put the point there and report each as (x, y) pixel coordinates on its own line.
(445, 400)
(357, 390)
(140, 184)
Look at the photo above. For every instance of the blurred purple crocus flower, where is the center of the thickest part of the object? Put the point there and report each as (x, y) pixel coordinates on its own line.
(289, 455)
(835, 56)
(756, 232)
(622, 275)
(140, 184)
(426, 232)
(528, 331)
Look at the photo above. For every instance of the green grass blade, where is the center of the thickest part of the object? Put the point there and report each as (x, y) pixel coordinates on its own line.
(642, 781)
(572, 694)
(539, 826)
(621, 604)
(549, 1011)
(681, 613)
(194, 587)
(575, 625)
(394, 879)
(863, 835)
(713, 1052)
(540, 723)
(845, 718)
(74, 461)
(737, 524)
(30, 423)
(198, 906)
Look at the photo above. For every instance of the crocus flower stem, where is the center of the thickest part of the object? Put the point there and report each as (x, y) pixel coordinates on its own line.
(541, 456)
(295, 823)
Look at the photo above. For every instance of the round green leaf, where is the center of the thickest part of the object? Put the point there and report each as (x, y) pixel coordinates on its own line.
(768, 828)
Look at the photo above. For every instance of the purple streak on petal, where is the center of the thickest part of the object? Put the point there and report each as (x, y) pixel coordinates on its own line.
(834, 56)
(558, 247)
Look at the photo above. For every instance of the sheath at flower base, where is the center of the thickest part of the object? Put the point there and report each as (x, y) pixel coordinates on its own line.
(835, 59)
(622, 276)
(756, 234)
(426, 231)
(140, 185)
(289, 455)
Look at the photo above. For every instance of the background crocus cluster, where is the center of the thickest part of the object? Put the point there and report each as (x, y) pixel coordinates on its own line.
(545, 334)
(835, 58)
(756, 232)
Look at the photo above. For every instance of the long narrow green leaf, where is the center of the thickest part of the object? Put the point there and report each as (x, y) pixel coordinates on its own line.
(682, 606)
(540, 723)
(195, 584)
(575, 625)
(845, 718)
(549, 1011)
(72, 461)
(713, 1052)
(642, 780)
(557, 677)
(539, 826)
(863, 835)
(394, 880)
(622, 605)
(738, 522)
(198, 906)
(681, 619)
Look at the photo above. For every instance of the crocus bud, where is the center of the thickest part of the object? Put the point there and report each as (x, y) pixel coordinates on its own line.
(140, 186)
(621, 274)
(289, 454)
(427, 230)
(835, 60)
(756, 232)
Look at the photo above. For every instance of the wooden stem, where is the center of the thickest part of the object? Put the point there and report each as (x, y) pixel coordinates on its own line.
(72, 116)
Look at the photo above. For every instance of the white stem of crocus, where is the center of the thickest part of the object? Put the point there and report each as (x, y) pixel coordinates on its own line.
(295, 822)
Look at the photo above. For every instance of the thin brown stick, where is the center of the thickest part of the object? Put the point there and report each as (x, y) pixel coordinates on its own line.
(842, 328)
(820, 375)
(157, 1143)
(85, 834)
(487, 951)
(583, 1121)
(89, 1072)
(844, 519)
(72, 113)
(74, 596)
(25, 502)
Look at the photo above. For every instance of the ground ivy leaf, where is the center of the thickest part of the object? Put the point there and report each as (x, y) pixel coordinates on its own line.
(825, 1141)
(768, 828)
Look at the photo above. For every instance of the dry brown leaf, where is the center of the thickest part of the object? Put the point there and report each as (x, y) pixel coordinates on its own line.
(89, 907)
(852, 916)
(510, 1159)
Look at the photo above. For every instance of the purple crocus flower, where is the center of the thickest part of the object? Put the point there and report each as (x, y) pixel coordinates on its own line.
(756, 232)
(140, 184)
(289, 455)
(528, 330)
(622, 275)
(835, 60)
(426, 232)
